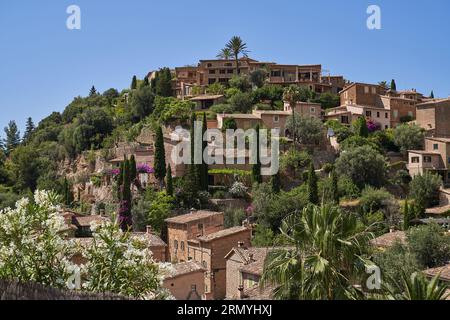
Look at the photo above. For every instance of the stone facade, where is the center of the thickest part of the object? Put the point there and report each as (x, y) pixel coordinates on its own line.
(190, 226)
(362, 94)
(185, 281)
(434, 117)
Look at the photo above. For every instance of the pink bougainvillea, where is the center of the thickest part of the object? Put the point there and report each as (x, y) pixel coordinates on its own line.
(144, 168)
(373, 126)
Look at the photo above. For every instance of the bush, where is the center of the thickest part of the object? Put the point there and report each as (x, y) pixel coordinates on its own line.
(409, 137)
(233, 218)
(424, 189)
(347, 189)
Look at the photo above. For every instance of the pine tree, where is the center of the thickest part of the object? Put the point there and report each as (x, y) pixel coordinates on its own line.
(362, 129)
(12, 140)
(432, 94)
(204, 165)
(334, 187)
(28, 130)
(256, 168)
(93, 91)
(134, 83)
(133, 169)
(276, 182)
(393, 85)
(145, 83)
(313, 193)
(406, 216)
(160, 156)
(169, 181)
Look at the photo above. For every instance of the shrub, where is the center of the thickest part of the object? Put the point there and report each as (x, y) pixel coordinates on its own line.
(424, 189)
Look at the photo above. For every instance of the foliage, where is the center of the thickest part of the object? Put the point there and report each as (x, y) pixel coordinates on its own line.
(169, 181)
(234, 172)
(313, 193)
(258, 78)
(142, 103)
(294, 161)
(328, 100)
(424, 189)
(347, 189)
(409, 137)
(241, 102)
(327, 252)
(256, 167)
(236, 46)
(12, 140)
(276, 182)
(32, 247)
(418, 287)
(160, 155)
(229, 123)
(215, 88)
(238, 190)
(162, 84)
(364, 165)
(360, 127)
(233, 218)
(306, 130)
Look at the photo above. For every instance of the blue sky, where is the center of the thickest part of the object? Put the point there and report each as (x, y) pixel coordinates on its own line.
(43, 65)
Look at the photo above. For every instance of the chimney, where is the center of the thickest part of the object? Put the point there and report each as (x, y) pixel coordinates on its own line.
(241, 292)
(250, 257)
(149, 229)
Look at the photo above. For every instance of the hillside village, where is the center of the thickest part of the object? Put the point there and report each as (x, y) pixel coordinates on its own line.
(364, 179)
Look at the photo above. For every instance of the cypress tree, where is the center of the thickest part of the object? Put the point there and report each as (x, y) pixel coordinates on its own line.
(67, 193)
(93, 91)
(406, 216)
(194, 168)
(145, 83)
(204, 165)
(169, 181)
(133, 83)
(276, 182)
(334, 187)
(432, 94)
(393, 85)
(133, 170)
(362, 129)
(160, 156)
(256, 168)
(28, 130)
(125, 205)
(313, 193)
(120, 181)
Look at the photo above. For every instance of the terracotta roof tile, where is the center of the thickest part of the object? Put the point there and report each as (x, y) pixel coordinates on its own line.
(194, 216)
(443, 271)
(387, 240)
(183, 268)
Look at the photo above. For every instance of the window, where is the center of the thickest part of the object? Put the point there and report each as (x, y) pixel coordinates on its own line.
(193, 288)
(211, 81)
(386, 127)
(344, 119)
(276, 119)
(212, 71)
(427, 159)
(276, 73)
(222, 71)
(205, 264)
(386, 115)
(182, 245)
(410, 114)
(378, 114)
(435, 146)
(175, 244)
(368, 113)
(448, 160)
(415, 160)
(200, 227)
(312, 110)
(395, 114)
(228, 64)
(374, 90)
(366, 89)
(209, 65)
(230, 71)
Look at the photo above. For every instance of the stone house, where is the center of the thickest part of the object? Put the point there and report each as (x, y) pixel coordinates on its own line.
(185, 227)
(156, 245)
(347, 114)
(185, 281)
(362, 94)
(305, 109)
(210, 250)
(433, 116)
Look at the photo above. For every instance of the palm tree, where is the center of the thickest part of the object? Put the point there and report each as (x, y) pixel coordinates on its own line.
(326, 255)
(237, 46)
(292, 95)
(417, 287)
(224, 54)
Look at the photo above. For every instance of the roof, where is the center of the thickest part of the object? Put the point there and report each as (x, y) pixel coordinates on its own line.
(443, 271)
(435, 101)
(183, 268)
(85, 221)
(207, 97)
(194, 216)
(222, 234)
(424, 152)
(153, 239)
(258, 293)
(439, 139)
(273, 112)
(389, 239)
(238, 116)
(359, 83)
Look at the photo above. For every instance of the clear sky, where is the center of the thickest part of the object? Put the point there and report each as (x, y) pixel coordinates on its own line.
(43, 65)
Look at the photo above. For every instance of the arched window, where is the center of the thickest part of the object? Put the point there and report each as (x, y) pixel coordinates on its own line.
(175, 244)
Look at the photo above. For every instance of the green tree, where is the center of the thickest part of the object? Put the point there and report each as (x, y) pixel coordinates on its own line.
(328, 100)
(360, 127)
(12, 140)
(424, 189)
(407, 217)
(334, 190)
(163, 86)
(364, 166)
(169, 181)
(417, 287)
(258, 77)
(393, 85)
(133, 168)
(145, 83)
(160, 156)
(204, 166)
(237, 47)
(432, 94)
(67, 193)
(313, 193)
(276, 182)
(224, 54)
(125, 217)
(133, 83)
(305, 130)
(142, 103)
(256, 167)
(29, 129)
(409, 137)
(92, 92)
(327, 250)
